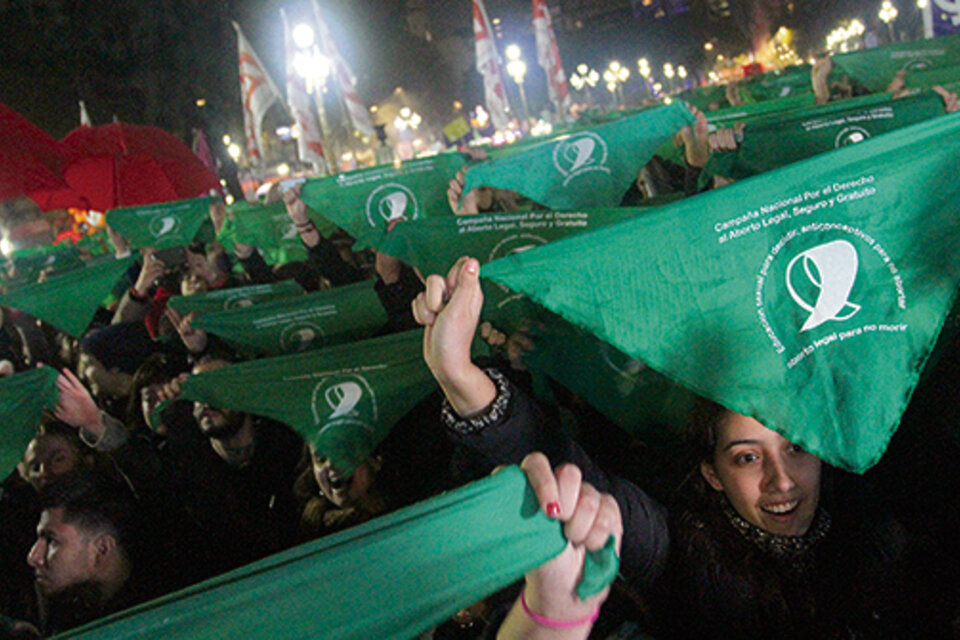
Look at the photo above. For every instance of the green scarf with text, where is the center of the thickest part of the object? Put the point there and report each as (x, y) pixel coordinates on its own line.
(808, 297)
(161, 226)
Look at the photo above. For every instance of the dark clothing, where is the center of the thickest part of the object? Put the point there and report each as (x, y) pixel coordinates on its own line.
(515, 426)
(19, 514)
(397, 300)
(852, 575)
(334, 268)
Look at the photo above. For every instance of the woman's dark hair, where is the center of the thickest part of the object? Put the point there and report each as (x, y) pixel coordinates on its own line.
(702, 435)
(157, 368)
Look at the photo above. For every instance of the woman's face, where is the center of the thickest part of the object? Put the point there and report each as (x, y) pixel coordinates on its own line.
(342, 491)
(48, 457)
(771, 482)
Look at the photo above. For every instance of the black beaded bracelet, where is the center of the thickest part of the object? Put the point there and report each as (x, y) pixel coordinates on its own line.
(492, 414)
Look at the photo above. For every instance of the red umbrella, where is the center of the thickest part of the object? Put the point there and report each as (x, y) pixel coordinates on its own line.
(123, 165)
(29, 158)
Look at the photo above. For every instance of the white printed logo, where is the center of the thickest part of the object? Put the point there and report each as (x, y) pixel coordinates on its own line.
(918, 64)
(579, 154)
(851, 135)
(344, 400)
(164, 225)
(623, 364)
(514, 244)
(286, 232)
(832, 269)
(301, 336)
(390, 202)
(237, 302)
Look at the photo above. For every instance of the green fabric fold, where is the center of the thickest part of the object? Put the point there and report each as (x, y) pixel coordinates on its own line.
(269, 229)
(161, 226)
(809, 297)
(589, 168)
(390, 578)
(23, 397)
(69, 301)
(299, 323)
(344, 399)
(875, 68)
(367, 199)
(773, 141)
(235, 298)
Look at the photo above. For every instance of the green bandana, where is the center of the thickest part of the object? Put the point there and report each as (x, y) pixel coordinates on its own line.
(390, 578)
(269, 229)
(69, 301)
(234, 298)
(774, 141)
(161, 226)
(299, 323)
(54, 258)
(591, 168)
(779, 84)
(23, 397)
(344, 400)
(365, 200)
(808, 298)
(875, 68)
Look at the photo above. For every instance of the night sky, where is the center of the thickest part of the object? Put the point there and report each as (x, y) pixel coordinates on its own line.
(148, 61)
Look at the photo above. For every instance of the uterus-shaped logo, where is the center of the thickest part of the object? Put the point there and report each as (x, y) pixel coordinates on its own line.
(832, 270)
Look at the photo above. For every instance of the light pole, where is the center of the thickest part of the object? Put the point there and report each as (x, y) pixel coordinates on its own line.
(669, 73)
(585, 79)
(517, 68)
(888, 13)
(314, 68)
(643, 67)
(615, 75)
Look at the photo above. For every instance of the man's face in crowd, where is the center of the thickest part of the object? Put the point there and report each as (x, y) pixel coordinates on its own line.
(63, 555)
(214, 422)
(48, 457)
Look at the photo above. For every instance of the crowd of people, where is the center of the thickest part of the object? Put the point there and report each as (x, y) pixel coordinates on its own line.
(127, 492)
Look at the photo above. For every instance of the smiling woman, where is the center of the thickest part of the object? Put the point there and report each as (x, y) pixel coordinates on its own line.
(775, 544)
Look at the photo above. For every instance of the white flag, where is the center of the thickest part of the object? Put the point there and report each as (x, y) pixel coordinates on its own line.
(359, 116)
(488, 65)
(258, 92)
(310, 142)
(548, 56)
(84, 116)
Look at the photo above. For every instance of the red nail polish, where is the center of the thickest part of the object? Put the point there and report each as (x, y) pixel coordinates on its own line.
(553, 509)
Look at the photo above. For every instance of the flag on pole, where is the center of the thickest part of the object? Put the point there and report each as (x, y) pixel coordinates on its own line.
(310, 141)
(808, 297)
(258, 92)
(201, 148)
(356, 110)
(84, 116)
(488, 65)
(548, 56)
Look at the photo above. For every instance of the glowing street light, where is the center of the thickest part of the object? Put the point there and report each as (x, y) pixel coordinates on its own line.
(584, 79)
(407, 119)
(682, 72)
(643, 66)
(668, 71)
(708, 46)
(615, 75)
(234, 150)
(517, 69)
(888, 13)
(303, 36)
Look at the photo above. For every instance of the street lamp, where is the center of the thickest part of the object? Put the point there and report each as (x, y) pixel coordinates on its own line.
(303, 36)
(517, 68)
(615, 75)
(585, 79)
(407, 119)
(669, 73)
(888, 13)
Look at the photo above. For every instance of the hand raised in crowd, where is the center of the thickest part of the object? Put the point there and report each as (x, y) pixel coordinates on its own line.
(819, 73)
(898, 86)
(75, 405)
(195, 340)
(589, 519)
(120, 244)
(297, 210)
(152, 268)
(950, 101)
(170, 391)
(218, 215)
(469, 204)
(727, 138)
(449, 308)
(696, 140)
(732, 92)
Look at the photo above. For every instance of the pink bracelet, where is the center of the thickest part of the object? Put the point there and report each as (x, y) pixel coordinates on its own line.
(557, 624)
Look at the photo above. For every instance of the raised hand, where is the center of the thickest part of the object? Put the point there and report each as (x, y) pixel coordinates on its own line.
(950, 102)
(449, 308)
(194, 339)
(75, 405)
(589, 519)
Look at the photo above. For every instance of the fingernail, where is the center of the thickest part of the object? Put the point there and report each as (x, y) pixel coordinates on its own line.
(553, 509)
(472, 267)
